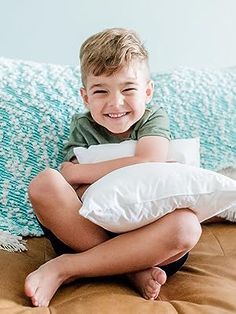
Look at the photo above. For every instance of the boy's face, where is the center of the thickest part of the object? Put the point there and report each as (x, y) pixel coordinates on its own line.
(118, 101)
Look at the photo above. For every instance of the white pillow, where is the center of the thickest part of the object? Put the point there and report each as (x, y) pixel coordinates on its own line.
(134, 196)
(186, 151)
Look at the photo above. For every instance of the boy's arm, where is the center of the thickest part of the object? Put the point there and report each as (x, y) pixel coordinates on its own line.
(79, 188)
(148, 149)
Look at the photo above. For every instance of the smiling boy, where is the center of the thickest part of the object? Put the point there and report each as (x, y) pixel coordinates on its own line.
(116, 89)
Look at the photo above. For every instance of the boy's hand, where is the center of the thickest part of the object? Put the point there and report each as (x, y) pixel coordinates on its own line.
(67, 169)
(81, 189)
(66, 164)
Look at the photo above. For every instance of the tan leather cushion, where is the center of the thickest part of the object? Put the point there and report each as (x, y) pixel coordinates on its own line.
(206, 284)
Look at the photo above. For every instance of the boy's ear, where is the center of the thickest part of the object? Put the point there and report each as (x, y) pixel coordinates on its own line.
(84, 96)
(149, 91)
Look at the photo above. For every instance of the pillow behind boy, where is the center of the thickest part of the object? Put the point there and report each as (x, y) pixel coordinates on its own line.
(133, 196)
(201, 103)
(186, 151)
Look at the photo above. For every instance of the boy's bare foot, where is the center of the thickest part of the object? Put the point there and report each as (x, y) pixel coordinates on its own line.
(148, 281)
(42, 284)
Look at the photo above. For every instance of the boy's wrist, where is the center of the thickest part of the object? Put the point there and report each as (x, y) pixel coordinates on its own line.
(69, 172)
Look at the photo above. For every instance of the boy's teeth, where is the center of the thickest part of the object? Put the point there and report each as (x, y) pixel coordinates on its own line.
(116, 115)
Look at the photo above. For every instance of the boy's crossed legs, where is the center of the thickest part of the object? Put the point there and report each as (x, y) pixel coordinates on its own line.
(135, 253)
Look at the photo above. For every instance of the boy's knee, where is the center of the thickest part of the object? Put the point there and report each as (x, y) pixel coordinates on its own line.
(188, 230)
(42, 183)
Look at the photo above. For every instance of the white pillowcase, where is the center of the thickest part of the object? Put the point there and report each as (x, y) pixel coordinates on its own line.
(186, 151)
(136, 195)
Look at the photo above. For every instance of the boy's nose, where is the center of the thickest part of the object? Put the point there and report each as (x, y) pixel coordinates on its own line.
(117, 101)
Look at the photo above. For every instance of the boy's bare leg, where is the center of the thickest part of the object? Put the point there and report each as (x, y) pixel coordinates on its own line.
(139, 249)
(57, 207)
(155, 244)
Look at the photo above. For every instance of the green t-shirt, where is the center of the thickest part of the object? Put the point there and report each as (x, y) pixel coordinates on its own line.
(84, 131)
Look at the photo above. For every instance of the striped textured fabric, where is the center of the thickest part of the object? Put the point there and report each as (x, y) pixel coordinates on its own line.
(37, 102)
(202, 103)
(36, 105)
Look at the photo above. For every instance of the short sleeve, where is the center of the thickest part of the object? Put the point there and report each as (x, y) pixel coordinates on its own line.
(76, 138)
(154, 123)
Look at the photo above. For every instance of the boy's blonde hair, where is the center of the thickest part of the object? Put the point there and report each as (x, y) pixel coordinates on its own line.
(108, 51)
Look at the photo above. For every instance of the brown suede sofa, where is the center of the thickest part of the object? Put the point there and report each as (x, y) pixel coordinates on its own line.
(206, 284)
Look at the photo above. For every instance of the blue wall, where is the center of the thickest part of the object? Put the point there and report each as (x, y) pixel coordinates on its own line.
(196, 33)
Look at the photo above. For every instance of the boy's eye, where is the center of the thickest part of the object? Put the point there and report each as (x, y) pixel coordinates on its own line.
(129, 89)
(100, 91)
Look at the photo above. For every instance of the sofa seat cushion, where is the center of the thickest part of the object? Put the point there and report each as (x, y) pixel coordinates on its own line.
(206, 283)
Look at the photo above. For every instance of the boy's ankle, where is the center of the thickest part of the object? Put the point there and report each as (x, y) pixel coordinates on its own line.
(68, 266)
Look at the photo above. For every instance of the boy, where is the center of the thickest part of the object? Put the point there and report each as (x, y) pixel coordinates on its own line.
(116, 89)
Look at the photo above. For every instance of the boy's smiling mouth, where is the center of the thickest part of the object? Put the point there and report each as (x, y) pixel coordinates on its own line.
(116, 115)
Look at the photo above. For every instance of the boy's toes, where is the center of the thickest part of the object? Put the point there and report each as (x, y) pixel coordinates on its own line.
(35, 301)
(30, 286)
(159, 275)
(153, 284)
(38, 298)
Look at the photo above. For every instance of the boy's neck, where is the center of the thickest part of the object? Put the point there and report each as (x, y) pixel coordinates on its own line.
(124, 135)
